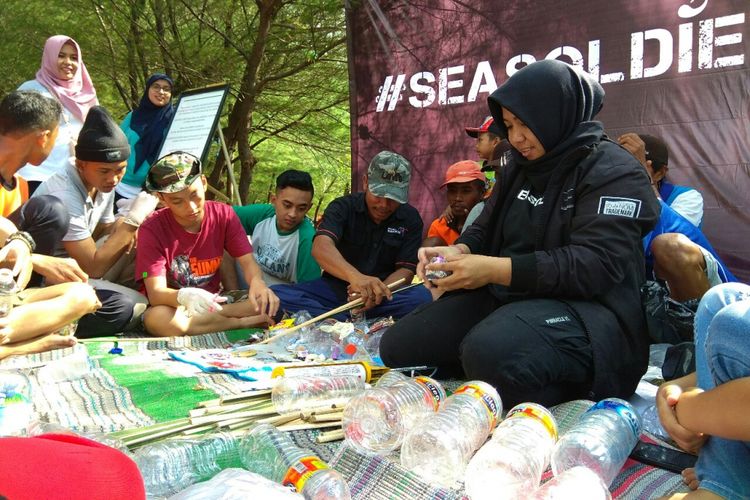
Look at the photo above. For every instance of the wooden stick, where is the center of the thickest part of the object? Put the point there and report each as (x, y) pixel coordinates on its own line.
(240, 414)
(306, 426)
(349, 305)
(330, 417)
(328, 436)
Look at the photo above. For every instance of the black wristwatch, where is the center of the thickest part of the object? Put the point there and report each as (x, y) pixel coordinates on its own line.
(23, 236)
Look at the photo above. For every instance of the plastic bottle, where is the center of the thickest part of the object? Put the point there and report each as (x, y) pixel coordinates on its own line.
(237, 484)
(16, 407)
(299, 393)
(7, 291)
(601, 440)
(359, 369)
(377, 420)
(272, 454)
(579, 483)
(510, 465)
(652, 423)
(440, 447)
(68, 368)
(170, 466)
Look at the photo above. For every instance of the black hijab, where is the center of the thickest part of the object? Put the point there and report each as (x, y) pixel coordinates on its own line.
(555, 100)
(149, 122)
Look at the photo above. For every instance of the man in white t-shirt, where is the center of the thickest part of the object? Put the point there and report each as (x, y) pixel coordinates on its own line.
(281, 234)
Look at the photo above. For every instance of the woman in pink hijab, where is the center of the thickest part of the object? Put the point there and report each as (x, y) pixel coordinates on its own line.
(64, 77)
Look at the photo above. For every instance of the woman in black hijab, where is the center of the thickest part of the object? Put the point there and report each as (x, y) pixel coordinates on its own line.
(543, 300)
(145, 127)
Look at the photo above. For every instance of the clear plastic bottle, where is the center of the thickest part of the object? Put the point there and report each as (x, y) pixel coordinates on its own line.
(172, 465)
(68, 368)
(440, 447)
(16, 406)
(300, 393)
(7, 291)
(579, 483)
(271, 453)
(601, 440)
(652, 423)
(377, 420)
(511, 463)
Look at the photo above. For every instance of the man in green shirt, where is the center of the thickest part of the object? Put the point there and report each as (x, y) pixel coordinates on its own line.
(280, 233)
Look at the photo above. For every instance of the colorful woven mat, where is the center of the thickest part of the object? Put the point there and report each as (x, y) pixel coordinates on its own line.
(143, 386)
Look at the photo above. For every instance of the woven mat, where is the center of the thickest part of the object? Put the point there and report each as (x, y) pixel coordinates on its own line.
(143, 386)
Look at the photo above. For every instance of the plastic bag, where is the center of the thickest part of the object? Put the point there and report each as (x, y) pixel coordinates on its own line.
(667, 320)
(237, 484)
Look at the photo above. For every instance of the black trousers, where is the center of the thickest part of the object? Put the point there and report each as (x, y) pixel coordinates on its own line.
(530, 350)
(46, 219)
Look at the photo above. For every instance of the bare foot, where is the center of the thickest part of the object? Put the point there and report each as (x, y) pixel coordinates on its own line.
(40, 344)
(694, 495)
(689, 478)
(257, 321)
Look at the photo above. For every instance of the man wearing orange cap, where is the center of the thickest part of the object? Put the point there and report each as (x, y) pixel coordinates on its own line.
(465, 183)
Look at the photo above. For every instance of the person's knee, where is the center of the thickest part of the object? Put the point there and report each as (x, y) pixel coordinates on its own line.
(160, 322)
(82, 298)
(675, 254)
(47, 210)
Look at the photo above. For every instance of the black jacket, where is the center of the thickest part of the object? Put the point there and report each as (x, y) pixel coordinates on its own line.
(588, 252)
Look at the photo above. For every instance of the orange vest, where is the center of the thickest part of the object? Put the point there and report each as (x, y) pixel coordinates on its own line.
(11, 200)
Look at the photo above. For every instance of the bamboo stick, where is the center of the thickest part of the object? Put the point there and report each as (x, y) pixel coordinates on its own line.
(349, 305)
(329, 417)
(240, 414)
(328, 436)
(305, 426)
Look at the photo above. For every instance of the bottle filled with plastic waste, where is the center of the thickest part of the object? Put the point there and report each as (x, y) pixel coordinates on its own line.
(601, 440)
(7, 291)
(579, 483)
(271, 453)
(511, 463)
(172, 465)
(377, 420)
(300, 393)
(439, 448)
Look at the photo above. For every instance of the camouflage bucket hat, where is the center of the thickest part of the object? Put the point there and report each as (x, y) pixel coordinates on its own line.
(388, 176)
(173, 172)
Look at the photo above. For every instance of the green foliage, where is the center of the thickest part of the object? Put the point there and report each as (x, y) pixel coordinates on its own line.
(298, 117)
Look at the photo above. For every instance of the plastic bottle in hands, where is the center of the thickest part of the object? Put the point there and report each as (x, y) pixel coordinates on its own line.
(272, 454)
(7, 291)
(300, 393)
(579, 483)
(601, 440)
(377, 420)
(170, 466)
(511, 463)
(441, 446)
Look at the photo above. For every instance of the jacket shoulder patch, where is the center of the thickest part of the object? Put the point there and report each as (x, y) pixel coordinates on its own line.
(622, 207)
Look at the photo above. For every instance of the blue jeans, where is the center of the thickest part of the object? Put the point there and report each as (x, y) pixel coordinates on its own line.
(321, 295)
(722, 353)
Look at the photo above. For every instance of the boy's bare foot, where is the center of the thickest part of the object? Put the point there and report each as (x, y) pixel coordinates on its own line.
(689, 478)
(40, 344)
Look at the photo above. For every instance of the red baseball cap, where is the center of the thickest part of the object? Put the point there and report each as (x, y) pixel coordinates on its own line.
(486, 126)
(464, 171)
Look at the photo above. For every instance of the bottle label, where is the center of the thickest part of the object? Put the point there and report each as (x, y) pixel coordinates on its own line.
(358, 370)
(540, 413)
(489, 402)
(626, 412)
(300, 472)
(437, 394)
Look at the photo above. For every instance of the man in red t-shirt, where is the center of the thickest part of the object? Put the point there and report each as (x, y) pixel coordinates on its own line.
(179, 255)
